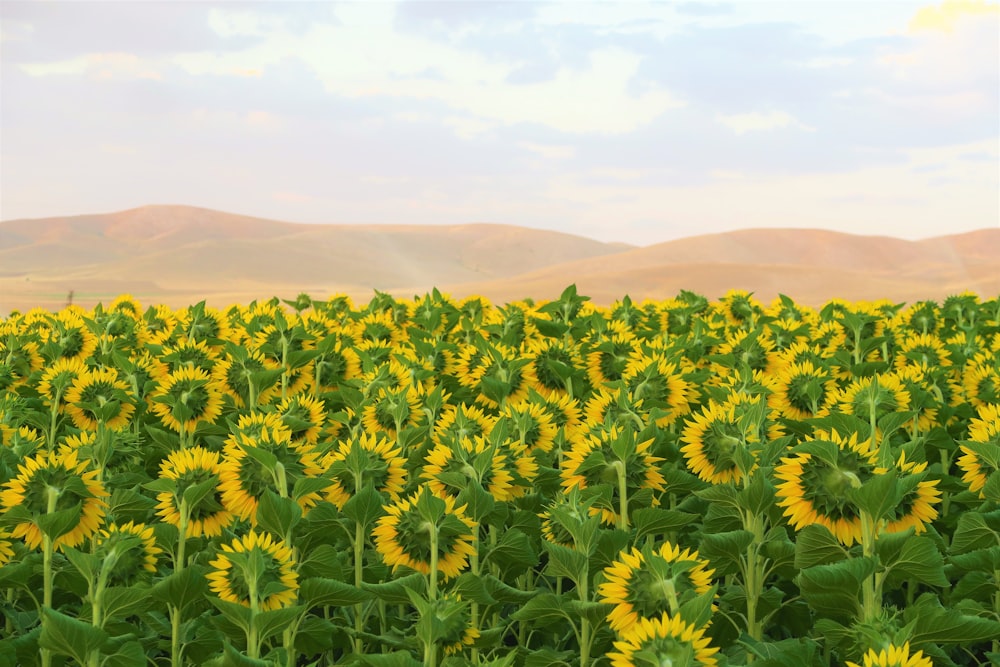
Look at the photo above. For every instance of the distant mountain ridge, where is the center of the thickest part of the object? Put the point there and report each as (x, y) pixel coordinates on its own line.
(181, 254)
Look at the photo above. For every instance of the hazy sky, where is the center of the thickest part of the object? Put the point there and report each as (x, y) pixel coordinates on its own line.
(629, 121)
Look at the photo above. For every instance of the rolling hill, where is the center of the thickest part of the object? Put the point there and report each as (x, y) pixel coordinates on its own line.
(179, 255)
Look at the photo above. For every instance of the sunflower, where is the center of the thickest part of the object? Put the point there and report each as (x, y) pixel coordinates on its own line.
(450, 467)
(712, 439)
(304, 416)
(21, 357)
(593, 461)
(612, 405)
(529, 425)
(646, 584)
(749, 348)
(72, 336)
(608, 358)
(916, 508)
(653, 381)
(565, 413)
(871, 398)
(255, 571)
(391, 410)
(6, 547)
(99, 396)
(51, 482)
(57, 378)
(545, 357)
(126, 303)
(461, 421)
(364, 459)
(506, 377)
(922, 351)
(161, 322)
(132, 549)
(894, 656)
(187, 468)
(984, 436)
(23, 440)
(740, 308)
(801, 390)
(186, 397)
(190, 353)
(981, 382)
(333, 366)
(201, 324)
(403, 536)
(244, 478)
(235, 373)
(923, 398)
(454, 629)
(663, 641)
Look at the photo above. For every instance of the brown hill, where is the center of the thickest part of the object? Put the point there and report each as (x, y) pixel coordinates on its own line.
(179, 255)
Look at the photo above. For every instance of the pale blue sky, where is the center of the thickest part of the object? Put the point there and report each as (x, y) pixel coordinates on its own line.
(628, 121)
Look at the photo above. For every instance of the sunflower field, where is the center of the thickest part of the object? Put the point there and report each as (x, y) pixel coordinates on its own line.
(442, 482)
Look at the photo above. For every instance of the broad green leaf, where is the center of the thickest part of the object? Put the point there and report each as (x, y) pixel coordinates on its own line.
(233, 658)
(277, 515)
(917, 560)
(395, 591)
(471, 587)
(976, 530)
(878, 496)
(659, 522)
(816, 545)
(934, 624)
(60, 522)
(129, 654)
(565, 562)
(512, 550)
(182, 588)
(236, 614)
(121, 601)
(394, 659)
(834, 590)
(269, 623)
(545, 609)
(546, 657)
(318, 592)
(723, 550)
(65, 635)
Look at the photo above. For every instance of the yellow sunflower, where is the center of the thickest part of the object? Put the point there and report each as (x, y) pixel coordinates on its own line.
(648, 583)
(186, 397)
(244, 478)
(894, 656)
(186, 468)
(922, 351)
(99, 396)
(593, 460)
(984, 437)
(255, 571)
(529, 425)
(190, 353)
(403, 536)
(71, 334)
(363, 459)
(51, 482)
(132, 547)
(981, 382)
(461, 421)
(664, 641)
(234, 376)
(653, 381)
(874, 396)
(161, 323)
(6, 547)
(547, 355)
(608, 358)
(391, 409)
(304, 416)
(801, 390)
(712, 438)
(451, 466)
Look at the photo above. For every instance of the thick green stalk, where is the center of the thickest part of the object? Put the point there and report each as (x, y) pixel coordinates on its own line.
(253, 642)
(753, 576)
(870, 603)
(622, 495)
(47, 551)
(359, 545)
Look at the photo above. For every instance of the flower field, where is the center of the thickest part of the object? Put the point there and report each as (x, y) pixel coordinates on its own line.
(451, 482)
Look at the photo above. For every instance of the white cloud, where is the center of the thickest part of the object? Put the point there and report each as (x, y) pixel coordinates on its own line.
(101, 66)
(758, 122)
(548, 151)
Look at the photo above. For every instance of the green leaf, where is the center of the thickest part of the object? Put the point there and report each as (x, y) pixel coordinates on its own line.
(395, 591)
(68, 636)
(234, 658)
(659, 522)
(270, 623)
(86, 564)
(934, 624)
(318, 592)
(472, 588)
(545, 609)
(918, 559)
(833, 590)
(546, 657)
(878, 496)
(565, 562)
(121, 601)
(278, 515)
(394, 659)
(195, 493)
(182, 588)
(364, 507)
(758, 497)
(512, 550)
(723, 550)
(816, 545)
(129, 654)
(60, 522)
(322, 561)
(975, 531)
(236, 614)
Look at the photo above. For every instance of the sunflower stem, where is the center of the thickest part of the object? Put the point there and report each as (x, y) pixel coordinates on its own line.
(622, 495)
(474, 606)
(432, 575)
(754, 575)
(52, 496)
(359, 537)
(870, 599)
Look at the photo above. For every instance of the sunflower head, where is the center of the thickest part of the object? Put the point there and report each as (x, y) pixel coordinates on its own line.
(194, 467)
(186, 397)
(664, 641)
(894, 656)
(50, 483)
(364, 459)
(255, 571)
(99, 396)
(129, 550)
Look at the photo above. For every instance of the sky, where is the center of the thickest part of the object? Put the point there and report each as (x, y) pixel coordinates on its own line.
(638, 122)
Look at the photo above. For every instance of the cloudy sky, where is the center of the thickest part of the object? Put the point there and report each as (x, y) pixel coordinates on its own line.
(638, 122)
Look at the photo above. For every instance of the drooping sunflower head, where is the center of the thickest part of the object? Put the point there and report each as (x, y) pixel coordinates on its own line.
(923, 351)
(54, 482)
(982, 449)
(6, 547)
(603, 457)
(461, 421)
(161, 324)
(456, 631)
(187, 468)
(457, 462)
(981, 382)
(718, 441)
(608, 357)
(553, 362)
(131, 549)
(664, 641)
(203, 324)
(100, 396)
(186, 397)
(529, 425)
(406, 534)
(368, 458)
(814, 483)
(255, 571)
(648, 583)
(894, 656)
(190, 354)
(802, 390)
(245, 379)
(304, 416)
(874, 396)
(244, 478)
(73, 337)
(391, 410)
